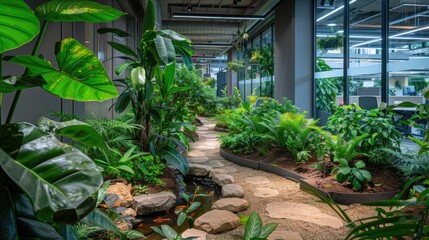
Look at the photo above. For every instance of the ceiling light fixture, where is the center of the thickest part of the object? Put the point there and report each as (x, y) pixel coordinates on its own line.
(217, 16)
(392, 37)
(190, 9)
(333, 11)
(331, 24)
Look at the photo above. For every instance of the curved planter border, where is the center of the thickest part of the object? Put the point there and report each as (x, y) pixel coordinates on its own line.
(219, 129)
(340, 198)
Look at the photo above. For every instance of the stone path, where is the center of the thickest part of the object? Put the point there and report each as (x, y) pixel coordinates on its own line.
(276, 199)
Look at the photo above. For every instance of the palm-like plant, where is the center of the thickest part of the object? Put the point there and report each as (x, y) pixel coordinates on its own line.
(295, 133)
(46, 185)
(156, 49)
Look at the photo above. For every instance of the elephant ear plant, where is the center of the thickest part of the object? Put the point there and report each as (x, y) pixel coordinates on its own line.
(150, 81)
(45, 185)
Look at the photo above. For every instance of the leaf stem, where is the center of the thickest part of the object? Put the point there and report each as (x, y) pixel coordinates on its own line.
(33, 53)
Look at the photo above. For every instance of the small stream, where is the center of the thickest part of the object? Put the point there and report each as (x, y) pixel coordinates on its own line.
(188, 185)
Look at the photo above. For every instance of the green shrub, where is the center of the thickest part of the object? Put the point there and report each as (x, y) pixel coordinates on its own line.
(297, 134)
(245, 142)
(351, 121)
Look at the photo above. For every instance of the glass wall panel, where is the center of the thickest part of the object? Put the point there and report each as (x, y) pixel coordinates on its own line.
(365, 53)
(408, 51)
(329, 56)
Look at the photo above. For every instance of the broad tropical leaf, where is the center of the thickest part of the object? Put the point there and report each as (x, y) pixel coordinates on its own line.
(116, 31)
(76, 130)
(253, 226)
(165, 49)
(101, 220)
(122, 48)
(17, 220)
(76, 11)
(149, 17)
(57, 178)
(80, 76)
(175, 158)
(10, 84)
(18, 25)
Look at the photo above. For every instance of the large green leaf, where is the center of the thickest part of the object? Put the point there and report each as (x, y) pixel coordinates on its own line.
(175, 158)
(149, 17)
(116, 31)
(76, 130)
(57, 178)
(80, 76)
(17, 220)
(76, 11)
(122, 48)
(10, 84)
(253, 226)
(100, 219)
(18, 25)
(165, 49)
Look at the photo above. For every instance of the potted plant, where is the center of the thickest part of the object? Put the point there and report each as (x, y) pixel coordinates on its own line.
(330, 42)
(236, 65)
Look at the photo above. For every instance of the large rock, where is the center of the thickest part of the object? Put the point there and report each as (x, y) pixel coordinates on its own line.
(129, 212)
(192, 232)
(199, 170)
(217, 221)
(123, 192)
(151, 203)
(232, 191)
(223, 179)
(302, 212)
(231, 204)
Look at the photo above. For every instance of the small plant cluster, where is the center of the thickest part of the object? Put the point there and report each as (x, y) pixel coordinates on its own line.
(360, 143)
(272, 124)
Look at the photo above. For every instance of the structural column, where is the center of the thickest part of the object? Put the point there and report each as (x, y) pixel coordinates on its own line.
(293, 50)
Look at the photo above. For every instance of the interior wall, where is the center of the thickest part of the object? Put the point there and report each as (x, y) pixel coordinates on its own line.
(35, 103)
(293, 46)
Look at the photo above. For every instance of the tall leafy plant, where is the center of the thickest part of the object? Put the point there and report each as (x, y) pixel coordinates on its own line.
(45, 184)
(326, 88)
(151, 71)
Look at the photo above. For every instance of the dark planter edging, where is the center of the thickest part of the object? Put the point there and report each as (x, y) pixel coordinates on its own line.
(219, 129)
(279, 171)
(340, 198)
(239, 160)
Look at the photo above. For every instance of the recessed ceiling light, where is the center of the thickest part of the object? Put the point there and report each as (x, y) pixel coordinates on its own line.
(190, 9)
(331, 24)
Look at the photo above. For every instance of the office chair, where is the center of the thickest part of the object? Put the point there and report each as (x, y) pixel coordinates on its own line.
(368, 102)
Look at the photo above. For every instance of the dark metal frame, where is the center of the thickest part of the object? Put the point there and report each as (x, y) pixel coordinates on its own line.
(346, 53)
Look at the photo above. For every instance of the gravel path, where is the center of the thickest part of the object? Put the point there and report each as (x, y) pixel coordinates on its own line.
(276, 199)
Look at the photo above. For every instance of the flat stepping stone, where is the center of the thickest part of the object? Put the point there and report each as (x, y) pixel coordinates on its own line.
(230, 169)
(199, 170)
(265, 192)
(302, 212)
(217, 171)
(215, 164)
(217, 221)
(223, 179)
(198, 159)
(257, 180)
(202, 148)
(232, 191)
(231, 204)
(284, 235)
(196, 153)
(192, 232)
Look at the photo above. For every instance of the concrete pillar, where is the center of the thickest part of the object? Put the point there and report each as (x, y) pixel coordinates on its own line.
(293, 48)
